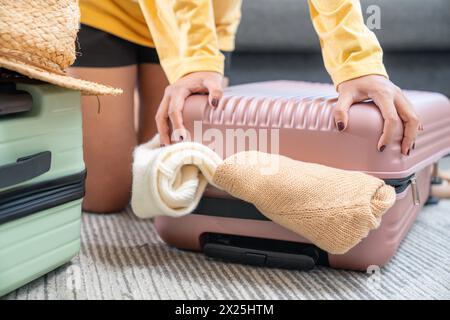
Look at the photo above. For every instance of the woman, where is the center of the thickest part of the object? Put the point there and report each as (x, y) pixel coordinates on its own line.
(117, 43)
(185, 37)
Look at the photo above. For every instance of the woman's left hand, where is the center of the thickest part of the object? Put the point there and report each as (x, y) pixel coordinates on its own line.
(391, 101)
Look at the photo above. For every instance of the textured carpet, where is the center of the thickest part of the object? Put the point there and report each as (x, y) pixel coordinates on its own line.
(123, 258)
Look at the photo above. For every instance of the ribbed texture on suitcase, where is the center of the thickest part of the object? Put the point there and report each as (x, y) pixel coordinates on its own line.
(311, 113)
(37, 244)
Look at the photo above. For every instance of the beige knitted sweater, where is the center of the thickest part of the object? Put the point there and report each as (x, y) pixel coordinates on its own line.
(332, 208)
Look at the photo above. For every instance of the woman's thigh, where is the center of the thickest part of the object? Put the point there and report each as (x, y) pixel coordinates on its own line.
(108, 139)
(152, 82)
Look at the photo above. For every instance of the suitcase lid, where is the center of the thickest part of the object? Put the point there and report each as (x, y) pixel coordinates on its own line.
(296, 120)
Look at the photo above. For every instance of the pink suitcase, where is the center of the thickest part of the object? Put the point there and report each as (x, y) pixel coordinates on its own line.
(233, 230)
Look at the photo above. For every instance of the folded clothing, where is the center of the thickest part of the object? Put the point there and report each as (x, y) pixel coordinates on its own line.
(332, 208)
(170, 180)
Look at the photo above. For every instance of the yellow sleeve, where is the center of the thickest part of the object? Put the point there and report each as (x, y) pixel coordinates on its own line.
(349, 48)
(184, 35)
(227, 15)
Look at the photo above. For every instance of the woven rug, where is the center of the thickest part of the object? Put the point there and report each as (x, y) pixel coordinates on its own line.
(123, 258)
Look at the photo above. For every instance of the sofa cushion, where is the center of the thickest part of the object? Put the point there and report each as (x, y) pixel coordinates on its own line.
(285, 26)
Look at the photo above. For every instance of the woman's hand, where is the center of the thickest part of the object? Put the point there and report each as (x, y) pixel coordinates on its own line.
(391, 101)
(171, 106)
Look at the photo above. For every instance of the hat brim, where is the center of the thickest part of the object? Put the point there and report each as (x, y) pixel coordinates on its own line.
(86, 87)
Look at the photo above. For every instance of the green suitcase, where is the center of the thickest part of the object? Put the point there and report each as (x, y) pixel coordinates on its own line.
(41, 180)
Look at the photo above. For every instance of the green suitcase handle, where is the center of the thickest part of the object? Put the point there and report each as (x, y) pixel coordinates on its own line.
(25, 168)
(11, 103)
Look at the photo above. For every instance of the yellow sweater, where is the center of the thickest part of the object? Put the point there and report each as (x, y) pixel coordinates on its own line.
(189, 33)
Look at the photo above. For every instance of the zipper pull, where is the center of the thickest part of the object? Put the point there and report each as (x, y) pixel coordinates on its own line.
(415, 191)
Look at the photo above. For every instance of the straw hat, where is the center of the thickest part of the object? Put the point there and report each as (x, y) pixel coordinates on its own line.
(37, 39)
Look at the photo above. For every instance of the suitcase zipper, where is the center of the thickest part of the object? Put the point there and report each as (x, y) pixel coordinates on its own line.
(23, 201)
(415, 191)
(400, 185)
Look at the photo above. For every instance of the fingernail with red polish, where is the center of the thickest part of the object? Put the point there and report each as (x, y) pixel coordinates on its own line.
(161, 145)
(340, 126)
(409, 151)
(414, 146)
(382, 148)
(215, 102)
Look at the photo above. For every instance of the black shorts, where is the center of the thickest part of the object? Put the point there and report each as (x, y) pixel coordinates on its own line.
(100, 49)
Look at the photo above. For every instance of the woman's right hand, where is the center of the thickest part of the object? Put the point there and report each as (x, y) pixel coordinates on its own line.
(171, 106)
(394, 106)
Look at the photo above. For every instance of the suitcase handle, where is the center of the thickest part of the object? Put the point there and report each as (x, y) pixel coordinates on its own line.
(262, 252)
(261, 258)
(11, 103)
(25, 168)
